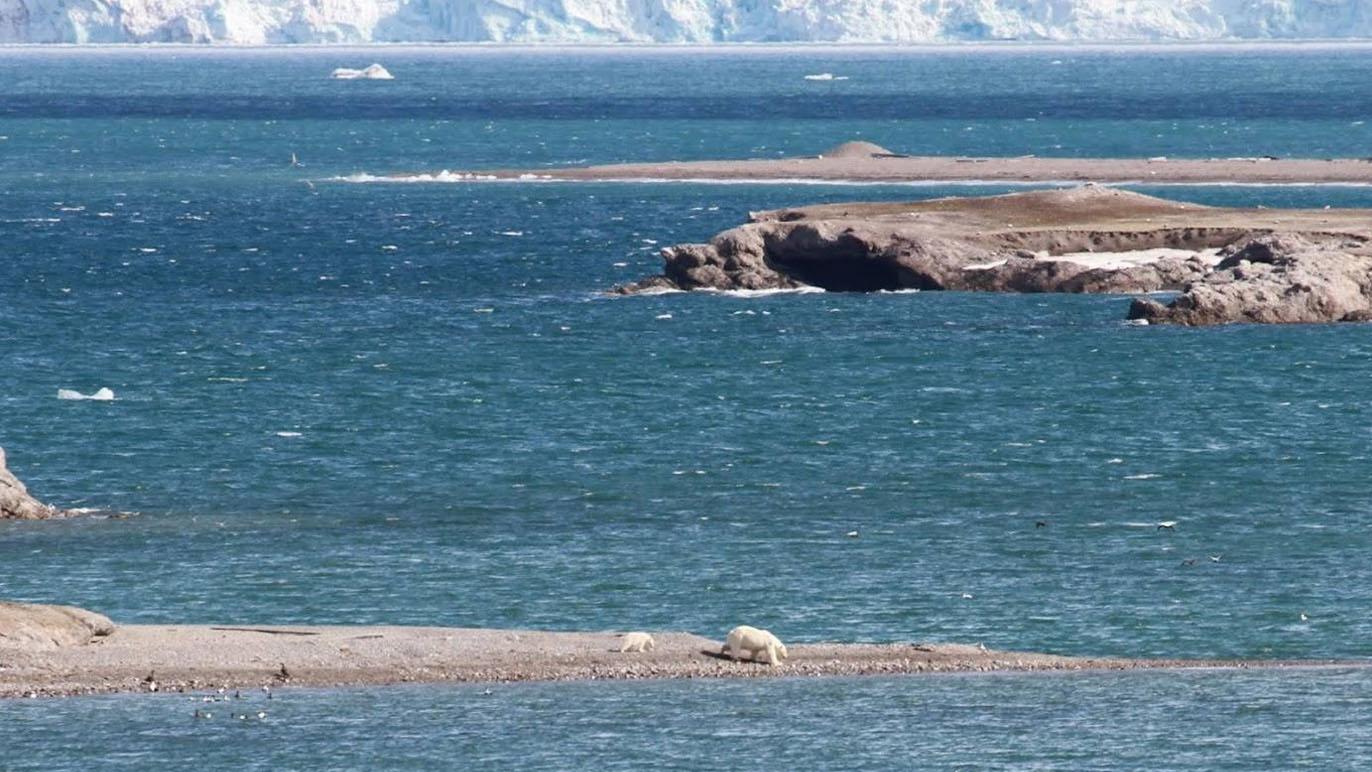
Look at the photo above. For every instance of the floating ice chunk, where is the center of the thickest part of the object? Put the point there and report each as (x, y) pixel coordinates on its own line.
(371, 72)
(104, 394)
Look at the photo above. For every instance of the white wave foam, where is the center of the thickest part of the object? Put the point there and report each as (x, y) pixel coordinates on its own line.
(653, 291)
(1145, 476)
(440, 176)
(826, 76)
(288, 434)
(762, 293)
(103, 394)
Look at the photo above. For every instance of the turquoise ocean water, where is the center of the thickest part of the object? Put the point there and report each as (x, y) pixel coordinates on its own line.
(414, 404)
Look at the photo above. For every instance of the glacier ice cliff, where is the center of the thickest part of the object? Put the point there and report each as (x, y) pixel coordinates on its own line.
(673, 21)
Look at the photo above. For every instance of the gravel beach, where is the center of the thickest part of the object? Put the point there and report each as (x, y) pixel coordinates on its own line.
(145, 658)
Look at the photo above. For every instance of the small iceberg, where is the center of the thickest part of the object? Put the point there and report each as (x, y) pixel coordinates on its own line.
(372, 72)
(826, 76)
(102, 395)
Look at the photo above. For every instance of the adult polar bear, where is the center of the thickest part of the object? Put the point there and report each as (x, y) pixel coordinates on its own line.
(752, 640)
(637, 642)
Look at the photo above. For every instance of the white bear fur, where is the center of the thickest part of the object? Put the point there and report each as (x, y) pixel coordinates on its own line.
(752, 640)
(637, 642)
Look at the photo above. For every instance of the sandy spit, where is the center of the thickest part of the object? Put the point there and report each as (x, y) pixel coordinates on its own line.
(183, 658)
(907, 169)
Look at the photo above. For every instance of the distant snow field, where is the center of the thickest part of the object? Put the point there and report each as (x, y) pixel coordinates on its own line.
(673, 21)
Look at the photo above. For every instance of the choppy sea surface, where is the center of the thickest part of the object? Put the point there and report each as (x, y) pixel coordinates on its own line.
(415, 404)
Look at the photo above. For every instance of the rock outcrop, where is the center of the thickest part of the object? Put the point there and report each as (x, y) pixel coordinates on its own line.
(858, 149)
(15, 501)
(1274, 279)
(29, 625)
(1256, 265)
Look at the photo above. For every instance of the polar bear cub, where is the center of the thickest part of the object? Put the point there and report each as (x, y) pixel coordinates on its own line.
(752, 640)
(637, 642)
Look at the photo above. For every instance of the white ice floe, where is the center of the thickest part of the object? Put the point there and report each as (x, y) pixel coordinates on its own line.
(103, 394)
(370, 72)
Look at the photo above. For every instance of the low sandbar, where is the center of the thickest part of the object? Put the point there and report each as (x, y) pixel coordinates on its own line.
(901, 169)
(188, 658)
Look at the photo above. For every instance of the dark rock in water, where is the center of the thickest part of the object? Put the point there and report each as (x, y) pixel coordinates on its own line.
(15, 501)
(38, 626)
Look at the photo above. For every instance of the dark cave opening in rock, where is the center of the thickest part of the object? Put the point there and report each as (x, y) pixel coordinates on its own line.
(845, 274)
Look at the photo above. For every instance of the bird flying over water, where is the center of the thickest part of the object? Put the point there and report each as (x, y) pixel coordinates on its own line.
(1167, 525)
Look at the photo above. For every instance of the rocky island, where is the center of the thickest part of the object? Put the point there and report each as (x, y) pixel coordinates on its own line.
(15, 501)
(1228, 265)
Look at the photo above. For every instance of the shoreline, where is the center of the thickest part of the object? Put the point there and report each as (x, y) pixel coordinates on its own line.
(925, 47)
(932, 170)
(191, 658)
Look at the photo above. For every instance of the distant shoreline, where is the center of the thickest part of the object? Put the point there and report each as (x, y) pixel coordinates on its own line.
(191, 658)
(952, 46)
